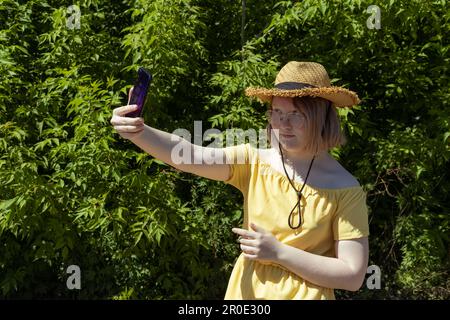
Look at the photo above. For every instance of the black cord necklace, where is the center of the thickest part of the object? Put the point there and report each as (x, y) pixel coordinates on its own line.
(298, 192)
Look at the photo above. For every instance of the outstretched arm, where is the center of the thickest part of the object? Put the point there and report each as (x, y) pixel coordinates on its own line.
(202, 161)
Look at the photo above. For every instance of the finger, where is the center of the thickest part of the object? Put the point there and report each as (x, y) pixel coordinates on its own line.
(248, 250)
(121, 111)
(257, 228)
(129, 129)
(247, 242)
(250, 256)
(124, 121)
(244, 233)
(129, 94)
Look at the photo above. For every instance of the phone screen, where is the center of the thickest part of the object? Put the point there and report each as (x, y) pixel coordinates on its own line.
(139, 93)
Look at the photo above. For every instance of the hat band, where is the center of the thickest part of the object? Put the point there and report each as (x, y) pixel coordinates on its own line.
(293, 85)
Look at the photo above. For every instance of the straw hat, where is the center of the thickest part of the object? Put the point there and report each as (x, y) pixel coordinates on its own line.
(298, 79)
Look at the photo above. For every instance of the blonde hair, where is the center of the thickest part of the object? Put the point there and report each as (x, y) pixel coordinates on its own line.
(315, 110)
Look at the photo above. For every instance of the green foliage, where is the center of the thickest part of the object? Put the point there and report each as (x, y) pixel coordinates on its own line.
(73, 192)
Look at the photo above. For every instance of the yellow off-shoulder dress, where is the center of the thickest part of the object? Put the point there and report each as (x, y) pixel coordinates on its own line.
(328, 215)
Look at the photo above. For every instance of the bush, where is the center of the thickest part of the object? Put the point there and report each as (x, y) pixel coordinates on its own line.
(73, 192)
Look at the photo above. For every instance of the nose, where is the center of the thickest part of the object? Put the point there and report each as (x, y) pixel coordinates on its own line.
(284, 122)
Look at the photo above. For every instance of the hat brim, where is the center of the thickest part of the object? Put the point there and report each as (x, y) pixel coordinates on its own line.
(340, 97)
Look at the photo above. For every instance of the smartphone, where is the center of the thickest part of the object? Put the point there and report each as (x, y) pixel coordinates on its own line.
(139, 94)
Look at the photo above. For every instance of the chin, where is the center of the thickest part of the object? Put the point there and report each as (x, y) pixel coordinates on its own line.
(290, 144)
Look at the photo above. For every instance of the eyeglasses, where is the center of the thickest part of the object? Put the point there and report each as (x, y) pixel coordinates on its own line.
(295, 118)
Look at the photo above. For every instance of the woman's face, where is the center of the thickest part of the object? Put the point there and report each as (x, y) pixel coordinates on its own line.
(288, 123)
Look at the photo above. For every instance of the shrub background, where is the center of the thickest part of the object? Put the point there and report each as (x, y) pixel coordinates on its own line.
(73, 192)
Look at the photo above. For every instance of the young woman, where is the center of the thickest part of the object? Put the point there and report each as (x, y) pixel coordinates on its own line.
(305, 228)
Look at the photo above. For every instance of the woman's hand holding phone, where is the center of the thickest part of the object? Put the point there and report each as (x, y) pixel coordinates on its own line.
(128, 128)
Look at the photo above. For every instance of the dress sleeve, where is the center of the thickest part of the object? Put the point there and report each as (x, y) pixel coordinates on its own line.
(351, 217)
(238, 159)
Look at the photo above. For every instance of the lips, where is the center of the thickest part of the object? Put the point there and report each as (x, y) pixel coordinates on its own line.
(286, 135)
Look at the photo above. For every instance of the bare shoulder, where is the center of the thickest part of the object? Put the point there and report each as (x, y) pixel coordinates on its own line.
(342, 177)
(328, 173)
